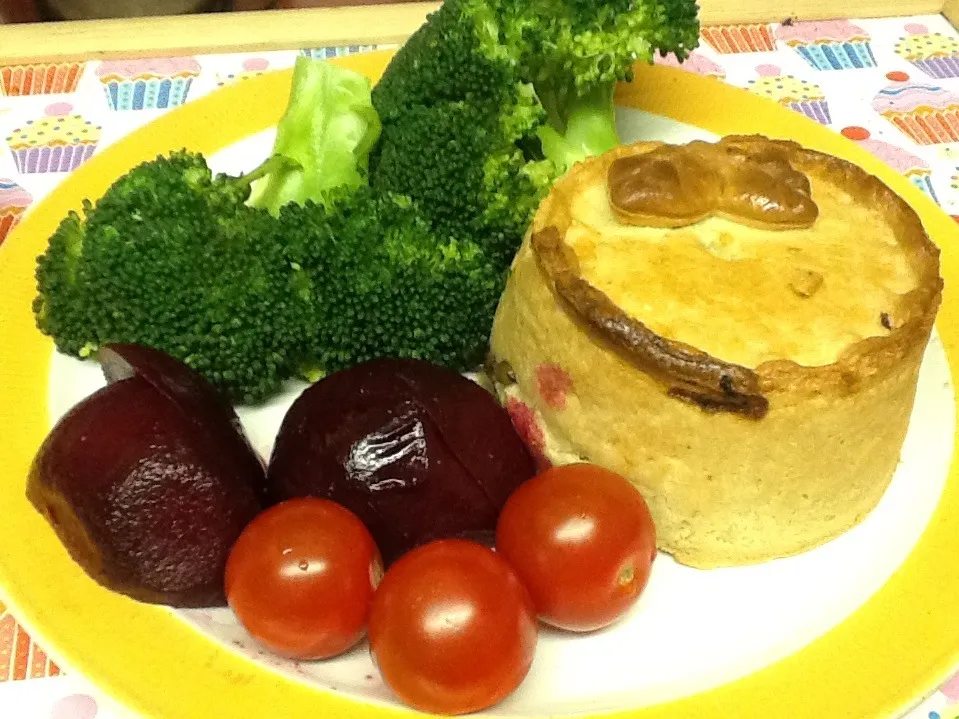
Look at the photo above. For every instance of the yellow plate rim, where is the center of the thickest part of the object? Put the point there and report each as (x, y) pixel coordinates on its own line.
(888, 654)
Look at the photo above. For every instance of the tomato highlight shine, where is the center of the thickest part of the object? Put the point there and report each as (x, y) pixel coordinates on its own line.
(301, 578)
(582, 541)
(451, 628)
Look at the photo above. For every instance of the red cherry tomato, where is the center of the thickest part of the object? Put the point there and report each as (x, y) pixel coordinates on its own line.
(582, 541)
(301, 578)
(451, 629)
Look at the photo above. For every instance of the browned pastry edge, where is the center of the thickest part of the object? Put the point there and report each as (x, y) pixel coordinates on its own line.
(715, 385)
(692, 374)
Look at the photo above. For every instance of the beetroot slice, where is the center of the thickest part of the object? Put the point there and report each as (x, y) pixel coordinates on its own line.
(211, 414)
(416, 451)
(149, 481)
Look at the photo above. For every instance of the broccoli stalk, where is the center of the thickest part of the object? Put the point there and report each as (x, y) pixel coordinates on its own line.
(274, 165)
(326, 134)
(578, 129)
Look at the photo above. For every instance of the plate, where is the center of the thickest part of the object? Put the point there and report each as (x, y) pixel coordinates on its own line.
(859, 628)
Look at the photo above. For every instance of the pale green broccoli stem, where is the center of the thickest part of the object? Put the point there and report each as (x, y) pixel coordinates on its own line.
(327, 132)
(583, 127)
(275, 164)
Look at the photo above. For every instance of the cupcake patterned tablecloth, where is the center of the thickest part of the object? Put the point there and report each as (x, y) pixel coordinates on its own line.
(892, 85)
(151, 84)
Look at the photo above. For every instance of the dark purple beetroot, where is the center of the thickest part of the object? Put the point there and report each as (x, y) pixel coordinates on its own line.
(417, 451)
(149, 481)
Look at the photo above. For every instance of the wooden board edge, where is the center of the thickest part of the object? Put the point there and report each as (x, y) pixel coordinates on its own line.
(719, 12)
(950, 8)
(211, 33)
(351, 25)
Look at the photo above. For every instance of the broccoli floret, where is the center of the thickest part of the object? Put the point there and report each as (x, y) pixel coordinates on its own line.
(171, 258)
(386, 285)
(328, 262)
(326, 133)
(578, 49)
(59, 307)
(177, 258)
(463, 167)
(455, 56)
(492, 100)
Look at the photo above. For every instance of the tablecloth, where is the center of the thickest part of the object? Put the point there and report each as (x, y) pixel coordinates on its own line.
(890, 84)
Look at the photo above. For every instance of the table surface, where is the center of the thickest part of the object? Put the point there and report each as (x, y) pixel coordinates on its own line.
(831, 87)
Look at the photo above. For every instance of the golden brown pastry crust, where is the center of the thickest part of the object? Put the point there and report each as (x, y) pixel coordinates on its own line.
(710, 382)
(679, 185)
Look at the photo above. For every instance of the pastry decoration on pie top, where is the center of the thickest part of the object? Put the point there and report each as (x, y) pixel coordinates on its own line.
(740, 327)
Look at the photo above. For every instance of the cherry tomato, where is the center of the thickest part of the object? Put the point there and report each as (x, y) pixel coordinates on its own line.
(451, 629)
(582, 541)
(301, 578)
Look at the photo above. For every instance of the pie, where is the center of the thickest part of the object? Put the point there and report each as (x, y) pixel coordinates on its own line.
(737, 327)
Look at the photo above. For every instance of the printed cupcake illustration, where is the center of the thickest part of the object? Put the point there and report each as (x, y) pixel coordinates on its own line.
(829, 45)
(935, 54)
(324, 53)
(58, 142)
(916, 170)
(791, 92)
(153, 84)
(729, 39)
(926, 113)
(251, 67)
(41, 78)
(697, 62)
(14, 201)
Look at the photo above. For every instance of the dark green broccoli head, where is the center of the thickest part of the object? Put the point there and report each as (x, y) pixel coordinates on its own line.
(385, 285)
(585, 43)
(178, 177)
(58, 308)
(464, 165)
(456, 55)
(475, 50)
(171, 258)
